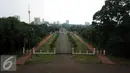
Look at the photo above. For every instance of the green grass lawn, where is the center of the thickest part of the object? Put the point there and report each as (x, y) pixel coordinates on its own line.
(86, 59)
(46, 45)
(80, 45)
(86, 40)
(117, 60)
(41, 58)
(35, 59)
(120, 60)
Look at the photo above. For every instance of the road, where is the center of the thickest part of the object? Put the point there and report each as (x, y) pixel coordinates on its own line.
(63, 45)
(63, 63)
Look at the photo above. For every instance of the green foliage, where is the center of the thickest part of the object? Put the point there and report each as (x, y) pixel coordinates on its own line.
(66, 26)
(112, 22)
(54, 27)
(110, 29)
(14, 35)
(35, 59)
(86, 59)
(52, 45)
(73, 43)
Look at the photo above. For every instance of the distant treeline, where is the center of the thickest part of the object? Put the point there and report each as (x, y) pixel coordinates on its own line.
(110, 29)
(14, 35)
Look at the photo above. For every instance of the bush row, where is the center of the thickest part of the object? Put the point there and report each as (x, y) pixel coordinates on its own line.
(52, 45)
(73, 43)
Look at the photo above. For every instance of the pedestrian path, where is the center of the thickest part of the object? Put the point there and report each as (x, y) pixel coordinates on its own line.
(27, 55)
(104, 59)
(64, 63)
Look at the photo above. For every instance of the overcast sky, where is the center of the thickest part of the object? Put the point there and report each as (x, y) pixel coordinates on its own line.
(76, 11)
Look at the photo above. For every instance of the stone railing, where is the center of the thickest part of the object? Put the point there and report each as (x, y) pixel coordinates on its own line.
(40, 52)
(89, 53)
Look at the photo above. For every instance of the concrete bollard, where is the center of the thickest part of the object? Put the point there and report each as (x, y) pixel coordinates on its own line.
(94, 52)
(33, 51)
(40, 51)
(94, 48)
(23, 50)
(54, 51)
(104, 52)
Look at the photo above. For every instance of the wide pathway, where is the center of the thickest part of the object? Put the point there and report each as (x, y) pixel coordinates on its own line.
(63, 45)
(63, 63)
(28, 54)
(104, 59)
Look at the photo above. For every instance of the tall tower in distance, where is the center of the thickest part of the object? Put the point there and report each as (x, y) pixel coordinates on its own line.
(29, 12)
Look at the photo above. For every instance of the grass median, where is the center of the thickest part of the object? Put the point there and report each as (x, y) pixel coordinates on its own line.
(43, 58)
(80, 45)
(35, 59)
(86, 59)
(83, 58)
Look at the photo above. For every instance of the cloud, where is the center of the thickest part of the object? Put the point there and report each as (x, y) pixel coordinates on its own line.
(77, 11)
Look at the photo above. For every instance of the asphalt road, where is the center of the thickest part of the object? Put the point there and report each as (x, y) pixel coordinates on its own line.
(63, 44)
(63, 63)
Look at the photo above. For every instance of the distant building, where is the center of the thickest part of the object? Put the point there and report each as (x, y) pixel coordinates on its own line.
(32, 22)
(67, 21)
(17, 16)
(87, 23)
(54, 22)
(37, 21)
(47, 23)
(43, 21)
(58, 22)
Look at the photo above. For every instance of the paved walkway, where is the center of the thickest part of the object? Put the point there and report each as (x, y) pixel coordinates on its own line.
(27, 55)
(103, 58)
(63, 63)
(63, 45)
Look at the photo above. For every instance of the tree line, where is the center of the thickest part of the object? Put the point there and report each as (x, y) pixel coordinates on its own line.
(14, 34)
(110, 28)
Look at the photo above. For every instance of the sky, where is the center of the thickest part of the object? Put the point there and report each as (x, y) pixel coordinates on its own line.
(76, 11)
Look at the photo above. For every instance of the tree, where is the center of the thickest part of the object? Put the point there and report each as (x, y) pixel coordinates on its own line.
(113, 22)
(110, 28)
(14, 35)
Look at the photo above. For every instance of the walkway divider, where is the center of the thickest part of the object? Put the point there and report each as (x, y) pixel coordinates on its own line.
(45, 52)
(83, 53)
(29, 53)
(94, 52)
(104, 59)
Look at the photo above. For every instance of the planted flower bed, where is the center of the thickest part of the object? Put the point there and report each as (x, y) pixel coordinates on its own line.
(72, 41)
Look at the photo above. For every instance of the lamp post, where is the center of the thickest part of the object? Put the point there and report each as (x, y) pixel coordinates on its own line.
(29, 12)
